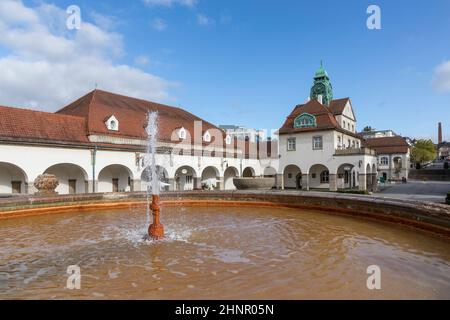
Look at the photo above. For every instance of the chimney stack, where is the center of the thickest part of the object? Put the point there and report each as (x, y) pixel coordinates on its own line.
(439, 133)
(319, 98)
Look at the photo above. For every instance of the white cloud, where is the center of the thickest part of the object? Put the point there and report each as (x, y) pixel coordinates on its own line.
(49, 66)
(441, 77)
(169, 3)
(203, 20)
(142, 60)
(159, 24)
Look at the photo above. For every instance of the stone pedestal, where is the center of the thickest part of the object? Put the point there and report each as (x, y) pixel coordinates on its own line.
(46, 184)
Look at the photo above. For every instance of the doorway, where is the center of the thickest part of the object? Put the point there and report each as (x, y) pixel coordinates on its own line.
(16, 186)
(72, 186)
(115, 185)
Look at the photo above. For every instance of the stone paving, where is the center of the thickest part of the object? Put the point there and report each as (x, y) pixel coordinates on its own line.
(434, 191)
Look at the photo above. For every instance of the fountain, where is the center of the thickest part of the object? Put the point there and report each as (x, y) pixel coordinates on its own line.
(156, 229)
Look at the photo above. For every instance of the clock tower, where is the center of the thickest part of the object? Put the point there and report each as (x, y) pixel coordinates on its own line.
(322, 86)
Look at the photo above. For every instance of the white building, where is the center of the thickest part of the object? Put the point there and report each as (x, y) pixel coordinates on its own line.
(98, 144)
(319, 147)
(393, 155)
(243, 133)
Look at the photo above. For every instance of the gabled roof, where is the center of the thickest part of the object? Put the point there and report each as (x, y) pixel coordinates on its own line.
(36, 126)
(337, 106)
(388, 145)
(325, 119)
(132, 115)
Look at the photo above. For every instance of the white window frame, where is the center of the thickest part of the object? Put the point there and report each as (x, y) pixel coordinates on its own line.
(291, 144)
(316, 146)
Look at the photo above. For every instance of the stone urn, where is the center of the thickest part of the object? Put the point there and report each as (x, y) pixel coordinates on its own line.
(254, 183)
(46, 184)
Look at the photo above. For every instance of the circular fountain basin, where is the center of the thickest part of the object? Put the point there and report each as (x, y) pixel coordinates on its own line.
(254, 183)
(212, 252)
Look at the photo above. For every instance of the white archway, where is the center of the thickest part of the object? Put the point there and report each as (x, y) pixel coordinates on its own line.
(292, 177)
(346, 176)
(269, 172)
(12, 179)
(115, 178)
(319, 177)
(211, 174)
(71, 177)
(163, 177)
(248, 172)
(185, 179)
(228, 176)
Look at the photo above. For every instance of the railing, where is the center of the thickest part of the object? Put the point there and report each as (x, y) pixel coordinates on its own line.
(353, 151)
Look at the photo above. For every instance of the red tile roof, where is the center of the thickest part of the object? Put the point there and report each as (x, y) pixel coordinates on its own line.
(325, 119)
(388, 145)
(337, 106)
(29, 125)
(131, 113)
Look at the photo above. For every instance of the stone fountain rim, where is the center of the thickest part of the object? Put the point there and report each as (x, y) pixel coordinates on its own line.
(422, 215)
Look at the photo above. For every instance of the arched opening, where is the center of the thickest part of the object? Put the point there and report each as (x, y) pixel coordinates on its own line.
(115, 178)
(319, 177)
(292, 177)
(346, 176)
(228, 176)
(185, 179)
(210, 178)
(248, 172)
(162, 176)
(71, 177)
(12, 179)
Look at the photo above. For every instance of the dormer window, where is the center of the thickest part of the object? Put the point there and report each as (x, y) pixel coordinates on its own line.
(207, 137)
(182, 133)
(305, 120)
(228, 139)
(112, 123)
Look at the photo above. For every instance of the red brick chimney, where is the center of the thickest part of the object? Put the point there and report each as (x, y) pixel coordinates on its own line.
(439, 133)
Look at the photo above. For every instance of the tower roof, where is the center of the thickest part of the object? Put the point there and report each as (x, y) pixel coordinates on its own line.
(321, 72)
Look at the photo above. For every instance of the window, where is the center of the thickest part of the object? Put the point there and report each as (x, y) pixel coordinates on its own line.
(349, 145)
(324, 177)
(228, 140)
(384, 161)
(112, 123)
(317, 143)
(189, 179)
(339, 141)
(353, 127)
(353, 143)
(207, 137)
(291, 144)
(305, 120)
(182, 133)
(344, 124)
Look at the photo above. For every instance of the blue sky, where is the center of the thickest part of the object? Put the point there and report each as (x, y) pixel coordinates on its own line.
(249, 62)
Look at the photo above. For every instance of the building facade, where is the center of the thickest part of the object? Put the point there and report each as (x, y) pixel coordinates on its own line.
(319, 147)
(98, 144)
(393, 156)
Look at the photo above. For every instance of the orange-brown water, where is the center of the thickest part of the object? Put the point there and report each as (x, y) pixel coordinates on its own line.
(215, 253)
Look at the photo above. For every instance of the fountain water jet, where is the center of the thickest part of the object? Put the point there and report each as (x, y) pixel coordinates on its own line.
(156, 229)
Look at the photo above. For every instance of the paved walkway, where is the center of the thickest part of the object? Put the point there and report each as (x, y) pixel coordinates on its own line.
(434, 191)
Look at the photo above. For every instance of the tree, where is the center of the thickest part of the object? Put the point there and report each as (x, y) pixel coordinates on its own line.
(368, 129)
(423, 151)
